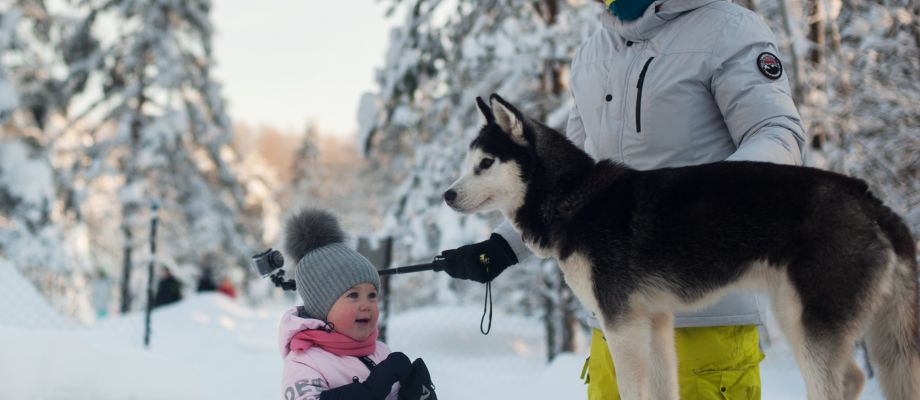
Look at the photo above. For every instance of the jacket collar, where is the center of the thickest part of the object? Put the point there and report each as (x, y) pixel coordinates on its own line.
(654, 18)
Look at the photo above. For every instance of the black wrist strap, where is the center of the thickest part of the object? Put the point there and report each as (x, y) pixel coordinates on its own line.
(486, 303)
(370, 364)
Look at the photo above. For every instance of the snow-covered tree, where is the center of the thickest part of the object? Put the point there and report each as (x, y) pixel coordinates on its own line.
(117, 100)
(38, 231)
(156, 127)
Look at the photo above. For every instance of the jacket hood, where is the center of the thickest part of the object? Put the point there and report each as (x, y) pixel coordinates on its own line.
(649, 23)
(290, 324)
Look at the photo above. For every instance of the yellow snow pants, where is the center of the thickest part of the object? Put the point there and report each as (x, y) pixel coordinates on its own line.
(720, 362)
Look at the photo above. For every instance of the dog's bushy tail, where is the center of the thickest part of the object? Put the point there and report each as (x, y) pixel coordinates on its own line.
(893, 337)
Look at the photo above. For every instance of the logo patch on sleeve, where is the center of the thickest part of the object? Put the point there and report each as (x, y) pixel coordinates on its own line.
(769, 65)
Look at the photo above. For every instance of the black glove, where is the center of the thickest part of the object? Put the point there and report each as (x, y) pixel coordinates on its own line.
(351, 391)
(480, 262)
(417, 386)
(378, 384)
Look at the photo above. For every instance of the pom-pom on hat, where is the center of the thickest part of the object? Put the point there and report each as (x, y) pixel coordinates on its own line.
(326, 267)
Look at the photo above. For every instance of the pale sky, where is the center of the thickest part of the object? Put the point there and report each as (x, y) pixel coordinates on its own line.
(287, 62)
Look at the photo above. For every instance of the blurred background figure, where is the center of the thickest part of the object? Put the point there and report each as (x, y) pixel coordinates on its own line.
(206, 281)
(227, 288)
(169, 289)
(101, 293)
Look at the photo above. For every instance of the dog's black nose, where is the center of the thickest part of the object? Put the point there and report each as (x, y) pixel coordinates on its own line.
(450, 196)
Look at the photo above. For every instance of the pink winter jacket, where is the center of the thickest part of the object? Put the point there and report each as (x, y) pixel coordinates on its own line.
(308, 373)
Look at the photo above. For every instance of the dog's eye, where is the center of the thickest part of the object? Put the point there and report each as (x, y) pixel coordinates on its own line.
(486, 163)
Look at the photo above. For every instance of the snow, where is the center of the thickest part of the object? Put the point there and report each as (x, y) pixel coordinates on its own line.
(28, 180)
(47, 364)
(15, 293)
(212, 347)
(8, 100)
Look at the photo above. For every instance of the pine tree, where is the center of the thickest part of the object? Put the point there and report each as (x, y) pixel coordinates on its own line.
(171, 140)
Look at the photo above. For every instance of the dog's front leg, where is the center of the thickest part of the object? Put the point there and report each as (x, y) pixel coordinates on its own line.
(663, 367)
(628, 343)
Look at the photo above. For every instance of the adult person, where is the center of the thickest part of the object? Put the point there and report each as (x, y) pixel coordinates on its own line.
(169, 289)
(206, 281)
(671, 83)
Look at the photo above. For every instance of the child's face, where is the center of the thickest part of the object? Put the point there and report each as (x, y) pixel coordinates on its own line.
(355, 313)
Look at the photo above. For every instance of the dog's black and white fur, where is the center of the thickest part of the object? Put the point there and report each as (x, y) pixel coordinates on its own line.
(637, 246)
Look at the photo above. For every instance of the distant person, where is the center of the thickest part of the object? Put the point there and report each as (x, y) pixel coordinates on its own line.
(206, 281)
(329, 344)
(169, 289)
(101, 292)
(227, 288)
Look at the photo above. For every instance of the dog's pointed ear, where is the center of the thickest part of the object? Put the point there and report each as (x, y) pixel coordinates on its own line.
(508, 118)
(485, 110)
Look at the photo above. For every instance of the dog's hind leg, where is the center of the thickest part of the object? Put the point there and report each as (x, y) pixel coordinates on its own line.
(629, 345)
(853, 381)
(663, 367)
(893, 340)
(829, 360)
(822, 360)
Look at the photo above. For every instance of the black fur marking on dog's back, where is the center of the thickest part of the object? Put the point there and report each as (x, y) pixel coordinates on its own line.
(700, 228)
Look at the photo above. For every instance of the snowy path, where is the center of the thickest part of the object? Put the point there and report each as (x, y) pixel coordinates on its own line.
(211, 347)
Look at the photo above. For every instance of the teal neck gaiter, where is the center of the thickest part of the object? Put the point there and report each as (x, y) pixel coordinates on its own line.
(627, 10)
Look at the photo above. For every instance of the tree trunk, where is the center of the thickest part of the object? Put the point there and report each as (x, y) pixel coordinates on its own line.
(126, 266)
(569, 321)
(798, 70)
(559, 305)
(130, 206)
(816, 31)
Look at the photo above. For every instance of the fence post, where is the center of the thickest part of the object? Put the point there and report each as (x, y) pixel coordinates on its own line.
(154, 206)
(381, 256)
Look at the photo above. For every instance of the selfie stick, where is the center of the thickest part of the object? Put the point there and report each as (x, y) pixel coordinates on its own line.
(436, 265)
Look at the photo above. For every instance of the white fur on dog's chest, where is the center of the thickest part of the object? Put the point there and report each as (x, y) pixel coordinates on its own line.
(576, 269)
(577, 272)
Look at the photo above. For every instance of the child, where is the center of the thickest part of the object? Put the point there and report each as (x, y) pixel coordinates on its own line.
(329, 344)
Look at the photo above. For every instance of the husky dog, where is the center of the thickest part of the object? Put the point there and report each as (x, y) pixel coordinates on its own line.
(637, 246)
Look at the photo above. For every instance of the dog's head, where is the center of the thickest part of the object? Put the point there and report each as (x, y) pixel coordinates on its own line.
(497, 164)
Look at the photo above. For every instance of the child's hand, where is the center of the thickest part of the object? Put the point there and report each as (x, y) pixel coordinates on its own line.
(394, 368)
(378, 384)
(418, 384)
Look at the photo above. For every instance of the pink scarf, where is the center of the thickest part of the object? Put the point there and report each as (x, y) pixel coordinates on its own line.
(334, 342)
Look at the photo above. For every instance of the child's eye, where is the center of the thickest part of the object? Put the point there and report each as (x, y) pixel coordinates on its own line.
(372, 295)
(353, 295)
(486, 163)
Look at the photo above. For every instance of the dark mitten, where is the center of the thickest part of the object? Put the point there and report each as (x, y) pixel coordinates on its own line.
(480, 262)
(351, 391)
(378, 384)
(417, 386)
(391, 370)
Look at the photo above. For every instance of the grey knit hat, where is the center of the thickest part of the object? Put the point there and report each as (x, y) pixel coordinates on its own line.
(326, 267)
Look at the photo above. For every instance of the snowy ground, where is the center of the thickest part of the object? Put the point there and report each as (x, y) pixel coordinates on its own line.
(211, 347)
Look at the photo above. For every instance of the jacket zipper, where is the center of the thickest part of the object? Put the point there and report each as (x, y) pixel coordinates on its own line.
(639, 94)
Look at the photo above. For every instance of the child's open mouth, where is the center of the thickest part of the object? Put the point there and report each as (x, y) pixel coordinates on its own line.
(363, 320)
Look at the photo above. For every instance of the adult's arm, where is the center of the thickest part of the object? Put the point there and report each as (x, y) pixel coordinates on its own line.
(758, 109)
